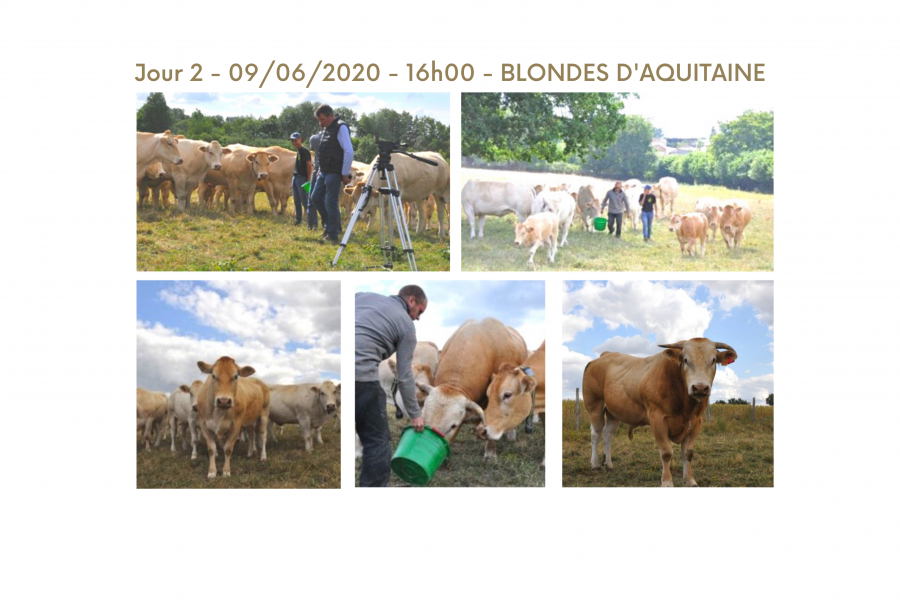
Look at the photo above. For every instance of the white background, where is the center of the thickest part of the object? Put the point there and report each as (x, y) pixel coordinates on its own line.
(73, 523)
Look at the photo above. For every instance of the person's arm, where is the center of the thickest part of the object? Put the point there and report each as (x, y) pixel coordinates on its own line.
(605, 201)
(405, 350)
(309, 169)
(344, 140)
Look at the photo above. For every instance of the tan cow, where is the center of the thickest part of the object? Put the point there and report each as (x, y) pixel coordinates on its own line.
(735, 218)
(278, 186)
(514, 396)
(690, 229)
(712, 208)
(157, 181)
(481, 198)
(469, 358)
(152, 409)
(667, 391)
(562, 204)
(153, 147)
(243, 168)
(228, 401)
(666, 191)
(199, 158)
(589, 205)
(536, 231)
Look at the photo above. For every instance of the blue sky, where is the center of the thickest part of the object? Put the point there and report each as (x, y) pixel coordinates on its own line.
(288, 331)
(518, 304)
(436, 106)
(686, 113)
(633, 317)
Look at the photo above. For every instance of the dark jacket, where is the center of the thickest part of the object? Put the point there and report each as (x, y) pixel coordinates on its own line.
(331, 155)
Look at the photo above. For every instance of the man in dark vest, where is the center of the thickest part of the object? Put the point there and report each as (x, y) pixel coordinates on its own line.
(302, 174)
(335, 157)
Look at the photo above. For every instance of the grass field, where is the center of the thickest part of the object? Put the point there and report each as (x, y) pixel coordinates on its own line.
(286, 466)
(517, 465)
(601, 252)
(212, 240)
(732, 451)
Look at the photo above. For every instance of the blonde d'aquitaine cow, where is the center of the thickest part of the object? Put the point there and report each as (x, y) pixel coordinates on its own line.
(589, 205)
(482, 198)
(666, 191)
(309, 405)
(562, 204)
(229, 400)
(712, 208)
(153, 147)
(667, 391)
(735, 218)
(469, 359)
(199, 158)
(424, 366)
(691, 230)
(157, 181)
(243, 169)
(538, 230)
(152, 408)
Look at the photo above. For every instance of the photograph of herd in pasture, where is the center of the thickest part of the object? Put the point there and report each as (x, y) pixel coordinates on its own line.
(617, 182)
(269, 181)
(239, 384)
(478, 369)
(651, 367)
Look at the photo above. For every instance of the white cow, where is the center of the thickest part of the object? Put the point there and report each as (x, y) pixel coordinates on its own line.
(309, 405)
(199, 157)
(154, 147)
(182, 416)
(496, 198)
(562, 204)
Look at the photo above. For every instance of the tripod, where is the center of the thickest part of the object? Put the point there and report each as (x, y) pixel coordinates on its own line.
(388, 192)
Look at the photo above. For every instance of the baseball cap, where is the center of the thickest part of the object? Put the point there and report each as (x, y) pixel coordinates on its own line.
(647, 187)
(296, 136)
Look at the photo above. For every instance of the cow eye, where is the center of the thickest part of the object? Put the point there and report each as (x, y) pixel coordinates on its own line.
(687, 363)
(235, 376)
(452, 427)
(506, 396)
(215, 378)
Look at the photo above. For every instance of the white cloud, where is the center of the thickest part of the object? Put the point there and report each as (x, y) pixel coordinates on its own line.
(635, 345)
(574, 323)
(758, 294)
(573, 364)
(728, 384)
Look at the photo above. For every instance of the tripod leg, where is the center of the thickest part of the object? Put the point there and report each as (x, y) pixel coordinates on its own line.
(402, 229)
(356, 213)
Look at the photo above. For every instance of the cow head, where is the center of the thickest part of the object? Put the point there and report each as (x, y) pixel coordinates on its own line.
(715, 215)
(509, 400)
(156, 171)
(193, 391)
(223, 380)
(446, 408)
(525, 233)
(326, 394)
(731, 224)
(675, 223)
(168, 148)
(213, 153)
(259, 162)
(697, 359)
(337, 395)
(421, 374)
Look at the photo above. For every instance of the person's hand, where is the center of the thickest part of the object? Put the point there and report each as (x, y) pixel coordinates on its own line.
(418, 424)
(345, 179)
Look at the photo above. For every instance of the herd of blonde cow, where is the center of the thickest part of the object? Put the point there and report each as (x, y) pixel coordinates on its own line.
(168, 163)
(545, 213)
(230, 405)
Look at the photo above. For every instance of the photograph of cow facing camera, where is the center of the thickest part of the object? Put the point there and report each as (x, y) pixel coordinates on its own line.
(450, 387)
(653, 367)
(250, 380)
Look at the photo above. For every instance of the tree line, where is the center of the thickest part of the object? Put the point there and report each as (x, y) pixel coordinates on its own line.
(586, 134)
(421, 133)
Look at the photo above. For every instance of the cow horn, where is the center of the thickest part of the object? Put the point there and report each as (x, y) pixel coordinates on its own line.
(677, 346)
(721, 346)
(474, 407)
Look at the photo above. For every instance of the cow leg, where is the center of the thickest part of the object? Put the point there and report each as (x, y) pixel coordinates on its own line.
(272, 431)
(195, 437)
(661, 433)
(233, 436)
(511, 435)
(160, 431)
(687, 456)
(250, 433)
(490, 449)
(702, 247)
(305, 432)
(609, 430)
(319, 436)
(173, 425)
(420, 216)
(531, 253)
(262, 431)
(551, 247)
(148, 433)
(440, 211)
(210, 450)
(481, 226)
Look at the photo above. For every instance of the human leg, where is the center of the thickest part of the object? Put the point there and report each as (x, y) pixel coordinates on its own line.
(374, 433)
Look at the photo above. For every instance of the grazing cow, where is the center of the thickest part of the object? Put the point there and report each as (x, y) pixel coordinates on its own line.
(228, 401)
(151, 414)
(157, 180)
(416, 181)
(496, 198)
(537, 230)
(309, 405)
(243, 169)
(589, 205)
(156, 147)
(735, 217)
(712, 208)
(665, 191)
(690, 229)
(469, 358)
(199, 158)
(667, 391)
(183, 415)
(514, 396)
(562, 204)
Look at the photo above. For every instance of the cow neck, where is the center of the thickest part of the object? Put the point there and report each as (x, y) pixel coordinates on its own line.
(689, 408)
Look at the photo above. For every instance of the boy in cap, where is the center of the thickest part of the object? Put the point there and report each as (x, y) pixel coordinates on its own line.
(648, 204)
(302, 174)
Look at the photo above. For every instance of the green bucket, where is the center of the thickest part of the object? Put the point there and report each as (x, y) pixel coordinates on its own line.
(419, 455)
(600, 223)
(305, 187)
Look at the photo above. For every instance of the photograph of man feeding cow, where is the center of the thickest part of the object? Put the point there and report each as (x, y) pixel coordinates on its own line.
(617, 182)
(445, 386)
(651, 365)
(261, 186)
(249, 379)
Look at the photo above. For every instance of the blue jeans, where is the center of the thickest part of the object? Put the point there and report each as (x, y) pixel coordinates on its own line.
(325, 199)
(374, 433)
(647, 223)
(300, 197)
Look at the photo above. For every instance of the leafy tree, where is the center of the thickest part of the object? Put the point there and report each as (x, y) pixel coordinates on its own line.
(548, 126)
(630, 155)
(770, 400)
(737, 401)
(750, 131)
(658, 133)
(153, 116)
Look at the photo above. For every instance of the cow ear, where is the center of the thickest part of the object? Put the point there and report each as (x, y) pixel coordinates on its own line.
(273, 158)
(738, 209)
(726, 358)
(250, 158)
(184, 389)
(530, 384)
(246, 371)
(424, 387)
(204, 368)
(529, 228)
(226, 151)
(314, 389)
(202, 148)
(427, 370)
(673, 355)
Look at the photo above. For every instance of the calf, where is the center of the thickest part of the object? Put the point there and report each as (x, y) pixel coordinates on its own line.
(712, 208)
(735, 217)
(690, 229)
(562, 204)
(537, 230)
(243, 169)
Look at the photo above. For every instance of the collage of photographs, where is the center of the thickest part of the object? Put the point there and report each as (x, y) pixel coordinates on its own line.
(595, 265)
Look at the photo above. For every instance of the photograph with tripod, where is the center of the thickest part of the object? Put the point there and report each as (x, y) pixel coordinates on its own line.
(293, 182)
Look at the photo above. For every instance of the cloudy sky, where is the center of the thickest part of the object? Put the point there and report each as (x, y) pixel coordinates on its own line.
(687, 113)
(632, 317)
(518, 304)
(290, 332)
(436, 106)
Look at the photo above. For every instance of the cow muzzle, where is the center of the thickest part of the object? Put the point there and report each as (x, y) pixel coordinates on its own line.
(699, 390)
(262, 176)
(217, 167)
(330, 409)
(178, 162)
(224, 402)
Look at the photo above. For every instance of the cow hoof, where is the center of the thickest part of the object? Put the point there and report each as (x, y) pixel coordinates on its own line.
(226, 473)
(595, 469)
(210, 475)
(693, 484)
(490, 457)
(262, 458)
(667, 484)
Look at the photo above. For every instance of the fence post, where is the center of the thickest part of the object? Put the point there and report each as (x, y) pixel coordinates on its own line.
(708, 414)
(754, 410)
(577, 402)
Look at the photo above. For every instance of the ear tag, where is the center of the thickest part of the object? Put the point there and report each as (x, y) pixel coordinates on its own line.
(528, 371)
(727, 361)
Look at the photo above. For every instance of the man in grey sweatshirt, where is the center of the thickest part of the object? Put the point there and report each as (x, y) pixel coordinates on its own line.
(617, 204)
(384, 325)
